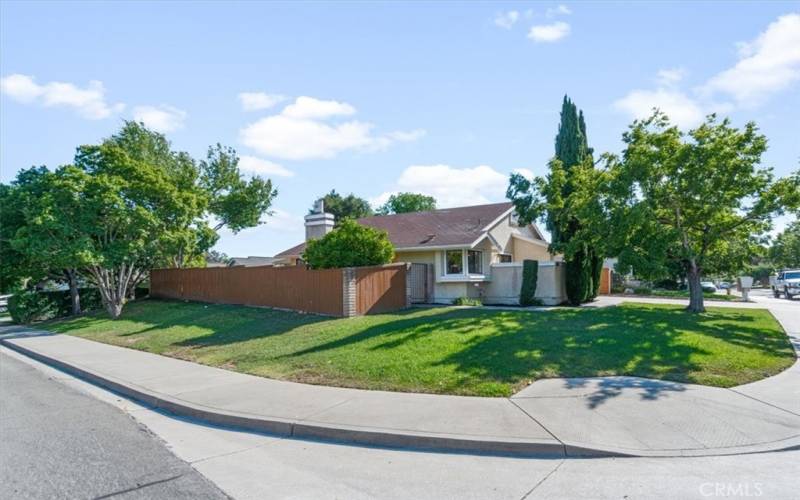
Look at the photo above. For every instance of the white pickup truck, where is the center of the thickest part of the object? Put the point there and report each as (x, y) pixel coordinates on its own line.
(787, 282)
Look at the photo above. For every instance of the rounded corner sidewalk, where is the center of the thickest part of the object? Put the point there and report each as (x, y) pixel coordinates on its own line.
(600, 416)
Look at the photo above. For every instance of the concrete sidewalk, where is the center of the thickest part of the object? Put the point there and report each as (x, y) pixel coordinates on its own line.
(553, 417)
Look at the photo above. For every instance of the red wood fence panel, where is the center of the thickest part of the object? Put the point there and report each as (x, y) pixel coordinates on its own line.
(605, 281)
(380, 288)
(295, 287)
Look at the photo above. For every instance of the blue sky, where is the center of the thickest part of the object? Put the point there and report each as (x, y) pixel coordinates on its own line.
(371, 98)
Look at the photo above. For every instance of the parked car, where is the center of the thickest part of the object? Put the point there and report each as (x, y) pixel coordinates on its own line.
(786, 282)
(708, 287)
(724, 285)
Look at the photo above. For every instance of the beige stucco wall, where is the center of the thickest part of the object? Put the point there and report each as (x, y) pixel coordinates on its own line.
(428, 257)
(501, 233)
(527, 250)
(507, 280)
(503, 281)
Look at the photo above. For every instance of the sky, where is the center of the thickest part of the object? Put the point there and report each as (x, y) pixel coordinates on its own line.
(445, 99)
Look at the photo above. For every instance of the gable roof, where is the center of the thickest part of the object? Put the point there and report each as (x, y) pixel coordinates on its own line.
(460, 226)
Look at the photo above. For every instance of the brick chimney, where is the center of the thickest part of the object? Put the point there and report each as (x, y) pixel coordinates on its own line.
(319, 223)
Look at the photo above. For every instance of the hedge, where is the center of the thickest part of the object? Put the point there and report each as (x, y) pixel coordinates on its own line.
(28, 306)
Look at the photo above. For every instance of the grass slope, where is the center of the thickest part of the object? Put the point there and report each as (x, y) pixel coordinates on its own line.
(455, 351)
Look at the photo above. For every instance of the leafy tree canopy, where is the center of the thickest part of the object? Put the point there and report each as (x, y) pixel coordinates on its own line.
(218, 257)
(698, 199)
(349, 245)
(127, 205)
(345, 207)
(785, 251)
(402, 203)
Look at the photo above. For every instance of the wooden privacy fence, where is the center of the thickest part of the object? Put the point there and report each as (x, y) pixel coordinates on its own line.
(605, 281)
(335, 292)
(381, 289)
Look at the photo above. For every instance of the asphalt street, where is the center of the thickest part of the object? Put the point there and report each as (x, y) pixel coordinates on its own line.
(58, 442)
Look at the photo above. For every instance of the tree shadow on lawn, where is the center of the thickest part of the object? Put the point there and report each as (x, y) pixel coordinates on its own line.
(215, 324)
(511, 348)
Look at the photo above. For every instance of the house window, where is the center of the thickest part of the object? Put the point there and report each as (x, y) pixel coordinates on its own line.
(475, 262)
(504, 258)
(454, 262)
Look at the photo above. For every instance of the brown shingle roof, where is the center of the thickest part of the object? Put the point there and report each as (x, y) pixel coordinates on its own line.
(436, 228)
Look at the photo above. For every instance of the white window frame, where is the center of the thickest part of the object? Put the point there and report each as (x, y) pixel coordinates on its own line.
(500, 258)
(480, 271)
(447, 267)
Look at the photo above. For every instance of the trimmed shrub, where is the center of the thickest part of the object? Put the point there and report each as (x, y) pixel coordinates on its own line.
(530, 273)
(349, 245)
(467, 301)
(60, 299)
(642, 290)
(27, 306)
(596, 271)
(667, 284)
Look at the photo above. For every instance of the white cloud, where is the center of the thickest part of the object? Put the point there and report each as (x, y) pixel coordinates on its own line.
(526, 172)
(309, 107)
(88, 102)
(406, 135)
(681, 109)
(303, 130)
(670, 76)
(294, 139)
(549, 33)
(768, 64)
(451, 186)
(162, 118)
(254, 101)
(281, 220)
(506, 20)
(561, 10)
(263, 167)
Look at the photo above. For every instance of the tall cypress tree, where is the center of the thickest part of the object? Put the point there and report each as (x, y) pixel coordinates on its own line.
(550, 196)
(572, 148)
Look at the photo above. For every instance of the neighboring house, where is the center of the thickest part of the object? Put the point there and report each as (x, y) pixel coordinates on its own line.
(462, 250)
(251, 261)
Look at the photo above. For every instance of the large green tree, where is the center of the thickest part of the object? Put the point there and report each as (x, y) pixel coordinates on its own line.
(37, 241)
(345, 207)
(349, 245)
(565, 199)
(699, 200)
(785, 250)
(402, 203)
(130, 204)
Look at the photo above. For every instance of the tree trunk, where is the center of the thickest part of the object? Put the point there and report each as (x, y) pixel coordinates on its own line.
(113, 284)
(114, 308)
(74, 294)
(695, 290)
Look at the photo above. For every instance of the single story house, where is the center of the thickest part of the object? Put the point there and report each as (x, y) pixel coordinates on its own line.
(474, 251)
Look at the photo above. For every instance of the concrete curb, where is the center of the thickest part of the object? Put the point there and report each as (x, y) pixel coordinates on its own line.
(366, 436)
(308, 430)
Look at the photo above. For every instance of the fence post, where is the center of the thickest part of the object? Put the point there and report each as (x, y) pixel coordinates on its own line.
(348, 292)
(408, 284)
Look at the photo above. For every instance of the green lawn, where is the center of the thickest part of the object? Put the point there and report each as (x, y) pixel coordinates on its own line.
(455, 351)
